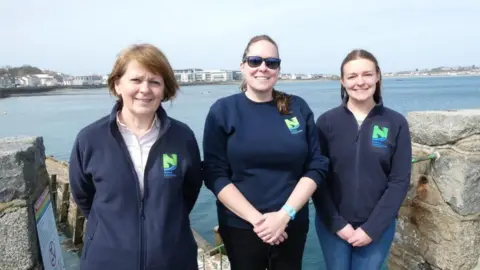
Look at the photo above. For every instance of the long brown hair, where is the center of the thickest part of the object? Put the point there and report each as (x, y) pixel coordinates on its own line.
(362, 54)
(282, 100)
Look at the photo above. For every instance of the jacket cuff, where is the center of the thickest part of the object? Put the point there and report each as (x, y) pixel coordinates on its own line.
(315, 176)
(337, 224)
(219, 184)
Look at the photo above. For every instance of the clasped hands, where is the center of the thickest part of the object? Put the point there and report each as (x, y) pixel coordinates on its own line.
(355, 237)
(270, 227)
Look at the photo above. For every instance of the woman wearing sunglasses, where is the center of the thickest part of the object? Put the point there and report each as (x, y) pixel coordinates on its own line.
(262, 161)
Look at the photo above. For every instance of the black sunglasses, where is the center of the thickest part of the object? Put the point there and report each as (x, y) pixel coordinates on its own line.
(256, 61)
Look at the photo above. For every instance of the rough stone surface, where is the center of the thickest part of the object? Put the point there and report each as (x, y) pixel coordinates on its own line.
(439, 222)
(458, 179)
(15, 241)
(478, 265)
(471, 144)
(443, 127)
(23, 177)
(22, 168)
(432, 235)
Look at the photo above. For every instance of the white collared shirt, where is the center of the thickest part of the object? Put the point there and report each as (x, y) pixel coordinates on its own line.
(139, 147)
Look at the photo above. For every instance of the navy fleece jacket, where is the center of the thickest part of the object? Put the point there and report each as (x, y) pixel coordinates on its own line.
(370, 168)
(262, 152)
(126, 231)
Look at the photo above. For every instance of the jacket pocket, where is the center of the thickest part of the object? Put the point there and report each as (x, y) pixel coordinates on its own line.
(88, 238)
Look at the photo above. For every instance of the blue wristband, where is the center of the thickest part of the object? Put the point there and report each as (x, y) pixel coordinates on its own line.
(290, 211)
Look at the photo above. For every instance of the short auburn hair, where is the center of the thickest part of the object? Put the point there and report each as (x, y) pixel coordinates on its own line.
(152, 59)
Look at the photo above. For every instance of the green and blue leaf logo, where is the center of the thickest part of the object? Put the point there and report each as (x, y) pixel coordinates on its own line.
(170, 163)
(293, 125)
(379, 136)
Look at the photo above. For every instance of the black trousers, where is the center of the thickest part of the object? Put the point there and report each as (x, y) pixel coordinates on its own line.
(246, 251)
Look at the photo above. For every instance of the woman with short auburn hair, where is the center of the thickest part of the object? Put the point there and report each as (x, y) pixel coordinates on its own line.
(135, 173)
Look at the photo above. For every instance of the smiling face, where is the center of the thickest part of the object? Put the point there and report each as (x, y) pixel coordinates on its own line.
(141, 79)
(360, 78)
(261, 78)
(141, 91)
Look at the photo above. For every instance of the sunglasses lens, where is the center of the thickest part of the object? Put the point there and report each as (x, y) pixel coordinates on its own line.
(272, 63)
(254, 61)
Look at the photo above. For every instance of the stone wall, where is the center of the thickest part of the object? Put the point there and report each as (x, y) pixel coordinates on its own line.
(23, 177)
(439, 222)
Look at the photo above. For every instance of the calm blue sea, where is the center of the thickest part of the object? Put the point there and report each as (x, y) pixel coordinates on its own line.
(58, 116)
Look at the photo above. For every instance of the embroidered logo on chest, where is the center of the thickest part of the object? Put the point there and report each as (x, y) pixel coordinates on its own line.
(170, 163)
(293, 125)
(379, 136)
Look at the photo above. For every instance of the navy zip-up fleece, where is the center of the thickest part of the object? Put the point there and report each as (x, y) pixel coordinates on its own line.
(263, 153)
(370, 168)
(124, 230)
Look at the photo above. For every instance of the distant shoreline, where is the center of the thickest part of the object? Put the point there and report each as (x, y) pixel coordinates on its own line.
(34, 91)
(37, 90)
(430, 76)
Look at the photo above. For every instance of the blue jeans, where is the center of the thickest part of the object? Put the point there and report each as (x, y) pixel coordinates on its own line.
(340, 255)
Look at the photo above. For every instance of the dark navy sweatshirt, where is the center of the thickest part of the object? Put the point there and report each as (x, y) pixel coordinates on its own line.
(370, 168)
(126, 231)
(263, 153)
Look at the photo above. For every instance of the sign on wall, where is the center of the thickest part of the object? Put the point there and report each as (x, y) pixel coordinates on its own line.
(47, 233)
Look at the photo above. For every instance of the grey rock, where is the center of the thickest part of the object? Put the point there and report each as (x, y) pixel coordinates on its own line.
(478, 265)
(458, 179)
(470, 144)
(434, 236)
(17, 241)
(22, 168)
(12, 206)
(439, 222)
(443, 127)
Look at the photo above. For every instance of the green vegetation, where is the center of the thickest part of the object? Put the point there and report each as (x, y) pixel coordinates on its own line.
(25, 70)
(443, 69)
(20, 71)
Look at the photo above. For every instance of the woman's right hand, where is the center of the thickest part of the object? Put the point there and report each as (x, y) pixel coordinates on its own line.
(281, 238)
(259, 220)
(346, 232)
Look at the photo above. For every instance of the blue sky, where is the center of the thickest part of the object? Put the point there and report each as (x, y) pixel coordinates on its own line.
(84, 36)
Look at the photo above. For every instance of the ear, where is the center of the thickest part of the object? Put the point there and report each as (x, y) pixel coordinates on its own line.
(117, 88)
(379, 77)
(342, 82)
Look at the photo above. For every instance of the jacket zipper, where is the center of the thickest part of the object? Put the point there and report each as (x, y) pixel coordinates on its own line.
(153, 149)
(358, 140)
(142, 208)
(142, 234)
(140, 198)
(357, 171)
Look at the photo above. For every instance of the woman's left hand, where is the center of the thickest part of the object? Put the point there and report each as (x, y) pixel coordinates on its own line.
(359, 238)
(273, 226)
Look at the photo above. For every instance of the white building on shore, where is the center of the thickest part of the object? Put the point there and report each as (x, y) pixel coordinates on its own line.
(85, 80)
(200, 75)
(46, 80)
